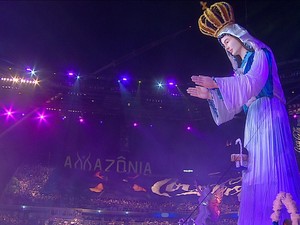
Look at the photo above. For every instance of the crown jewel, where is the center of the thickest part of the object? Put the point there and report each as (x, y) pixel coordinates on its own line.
(215, 18)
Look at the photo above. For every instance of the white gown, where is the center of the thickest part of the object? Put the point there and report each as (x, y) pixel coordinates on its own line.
(272, 165)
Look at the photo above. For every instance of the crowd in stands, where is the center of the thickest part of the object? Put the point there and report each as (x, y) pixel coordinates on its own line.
(26, 189)
(21, 218)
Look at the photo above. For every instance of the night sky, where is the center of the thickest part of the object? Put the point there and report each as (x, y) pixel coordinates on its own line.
(145, 39)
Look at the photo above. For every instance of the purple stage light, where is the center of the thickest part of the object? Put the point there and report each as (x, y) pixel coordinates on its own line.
(70, 74)
(188, 128)
(41, 116)
(124, 78)
(8, 113)
(135, 124)
(81, 120)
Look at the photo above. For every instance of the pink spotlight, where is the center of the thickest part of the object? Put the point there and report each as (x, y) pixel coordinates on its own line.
(295, 116)
(81, 120)
(135, 124)
(9, 113)
(188, 128)
(41, 116)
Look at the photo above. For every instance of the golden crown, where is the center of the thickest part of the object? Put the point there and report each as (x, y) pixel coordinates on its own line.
(215, 18)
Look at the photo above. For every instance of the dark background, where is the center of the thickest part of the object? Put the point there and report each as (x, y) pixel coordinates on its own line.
(147, 40)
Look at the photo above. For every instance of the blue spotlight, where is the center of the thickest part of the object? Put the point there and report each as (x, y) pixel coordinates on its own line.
(159, 84)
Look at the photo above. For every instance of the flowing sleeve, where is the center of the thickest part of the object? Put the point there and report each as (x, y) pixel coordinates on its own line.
(238, 90)
(218, 109)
